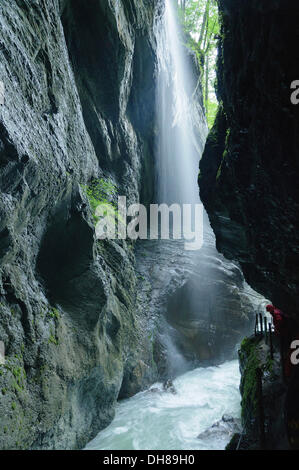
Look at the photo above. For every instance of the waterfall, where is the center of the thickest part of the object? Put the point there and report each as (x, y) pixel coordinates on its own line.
(206, 279)
(182, 132)
(181, 123)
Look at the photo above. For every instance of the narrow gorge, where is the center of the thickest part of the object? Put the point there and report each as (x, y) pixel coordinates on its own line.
(125, 342)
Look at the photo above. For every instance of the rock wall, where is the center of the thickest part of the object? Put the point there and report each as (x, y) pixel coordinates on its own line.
(268, 406)
(249, 171)
(73, 113)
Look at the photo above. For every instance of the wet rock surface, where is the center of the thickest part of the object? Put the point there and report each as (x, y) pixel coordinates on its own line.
(68, 320)
(249, 170)
(255, 353)
(206, 306)
(227, 426)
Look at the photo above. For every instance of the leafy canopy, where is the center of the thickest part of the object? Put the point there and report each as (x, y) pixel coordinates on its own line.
(200, 19)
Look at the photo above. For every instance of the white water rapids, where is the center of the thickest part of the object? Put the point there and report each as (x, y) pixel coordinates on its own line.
(158, 420)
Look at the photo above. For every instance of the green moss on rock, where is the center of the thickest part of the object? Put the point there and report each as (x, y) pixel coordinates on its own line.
(249, 357)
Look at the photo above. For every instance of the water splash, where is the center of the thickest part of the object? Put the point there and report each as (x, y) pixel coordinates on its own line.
(158, 420)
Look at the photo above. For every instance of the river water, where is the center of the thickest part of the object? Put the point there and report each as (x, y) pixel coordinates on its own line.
(158, 420)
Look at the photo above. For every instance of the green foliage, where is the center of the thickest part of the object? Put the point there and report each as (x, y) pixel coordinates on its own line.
(249, 380)
(200, 19)
(54, 313)
(18, 375)
(101, 192)
(53, 340)
(247, 346)
(211, 111)
(269, 366)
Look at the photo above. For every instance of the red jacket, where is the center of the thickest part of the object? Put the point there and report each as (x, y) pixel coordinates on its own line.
(279, 321)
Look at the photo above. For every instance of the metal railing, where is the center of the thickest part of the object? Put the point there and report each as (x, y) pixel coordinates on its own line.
(265, 328)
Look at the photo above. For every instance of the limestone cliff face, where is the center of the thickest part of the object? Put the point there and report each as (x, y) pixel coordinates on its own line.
(72, 73)
(249, 171)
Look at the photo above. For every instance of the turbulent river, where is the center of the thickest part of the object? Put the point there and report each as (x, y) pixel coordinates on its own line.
(159, 420)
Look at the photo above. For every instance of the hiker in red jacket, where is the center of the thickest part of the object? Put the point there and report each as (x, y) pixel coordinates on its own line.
(279, 319)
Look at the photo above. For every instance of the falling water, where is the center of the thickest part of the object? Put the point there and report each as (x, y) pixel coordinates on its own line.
(181, 139)
(180, 142)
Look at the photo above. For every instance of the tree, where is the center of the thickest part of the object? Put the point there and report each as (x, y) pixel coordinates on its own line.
(200, 19)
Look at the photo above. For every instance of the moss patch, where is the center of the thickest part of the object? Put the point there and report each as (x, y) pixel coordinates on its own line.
(249, 358)
(101, 192)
